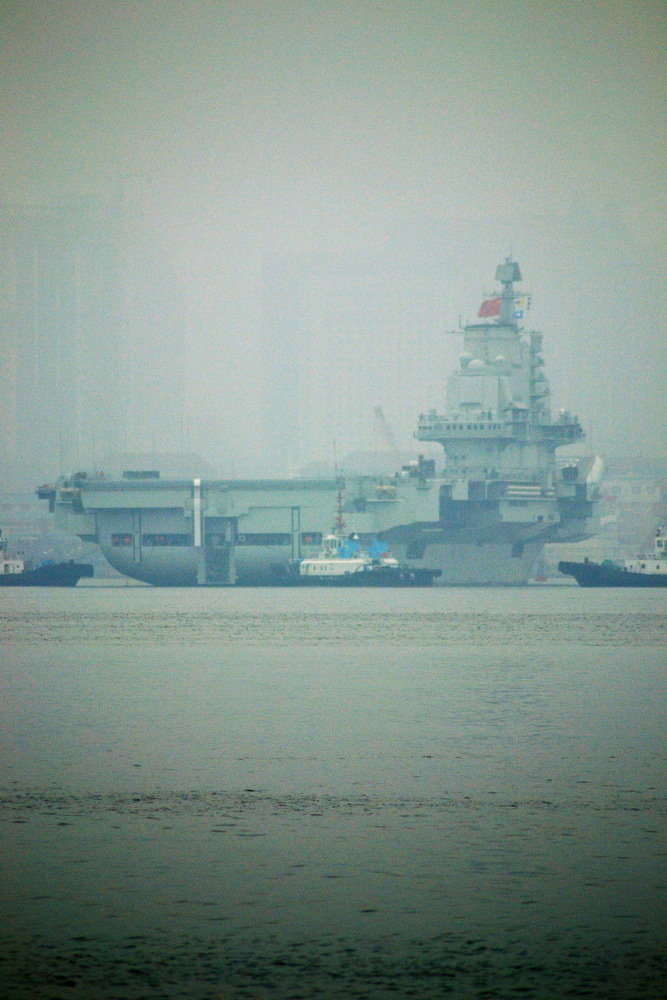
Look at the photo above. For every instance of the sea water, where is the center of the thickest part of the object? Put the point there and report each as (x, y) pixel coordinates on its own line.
(253, 793)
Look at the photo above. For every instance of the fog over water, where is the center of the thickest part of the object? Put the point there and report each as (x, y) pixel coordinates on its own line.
(236, 228)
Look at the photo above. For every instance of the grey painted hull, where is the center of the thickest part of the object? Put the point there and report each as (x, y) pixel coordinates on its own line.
(471, 564)
(460, 564)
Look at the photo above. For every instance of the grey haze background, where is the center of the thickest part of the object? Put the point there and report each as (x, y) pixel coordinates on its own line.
(238, 227)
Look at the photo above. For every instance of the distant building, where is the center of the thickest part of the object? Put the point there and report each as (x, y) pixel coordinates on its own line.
(60, 317)
(87, 336)
(342, 338)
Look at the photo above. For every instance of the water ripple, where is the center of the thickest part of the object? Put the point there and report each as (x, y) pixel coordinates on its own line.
(20, 627)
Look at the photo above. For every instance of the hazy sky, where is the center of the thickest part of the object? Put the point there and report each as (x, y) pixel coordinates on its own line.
(239, 129)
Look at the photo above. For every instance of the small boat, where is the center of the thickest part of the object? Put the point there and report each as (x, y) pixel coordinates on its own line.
(343, 562)
(643, 571)
(15, 573)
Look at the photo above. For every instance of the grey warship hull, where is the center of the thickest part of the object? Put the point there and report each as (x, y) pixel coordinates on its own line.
(481, 519)
(194, 533)
(456, 564)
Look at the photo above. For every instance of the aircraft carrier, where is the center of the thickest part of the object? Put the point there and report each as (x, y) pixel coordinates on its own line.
(481, 519)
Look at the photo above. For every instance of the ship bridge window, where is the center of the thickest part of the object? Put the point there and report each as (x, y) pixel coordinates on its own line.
(118, 540)
(166, 539)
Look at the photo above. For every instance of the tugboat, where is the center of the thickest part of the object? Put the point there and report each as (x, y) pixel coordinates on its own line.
(342, 562)
(643, 571)
(15, 573)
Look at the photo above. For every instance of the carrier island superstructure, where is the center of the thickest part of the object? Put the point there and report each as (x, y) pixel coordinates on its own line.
(482, 517)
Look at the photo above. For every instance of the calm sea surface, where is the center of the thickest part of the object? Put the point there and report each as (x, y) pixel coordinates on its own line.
(308, 793)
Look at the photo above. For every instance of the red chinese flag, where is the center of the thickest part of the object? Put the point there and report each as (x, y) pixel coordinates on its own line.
(489, 308)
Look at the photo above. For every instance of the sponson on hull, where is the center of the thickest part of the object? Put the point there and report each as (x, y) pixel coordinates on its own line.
(481, 516)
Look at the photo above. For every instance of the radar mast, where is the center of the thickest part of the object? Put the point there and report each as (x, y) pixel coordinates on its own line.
(507, 274)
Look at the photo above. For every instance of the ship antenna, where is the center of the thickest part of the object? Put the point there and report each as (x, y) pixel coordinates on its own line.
(339, 523)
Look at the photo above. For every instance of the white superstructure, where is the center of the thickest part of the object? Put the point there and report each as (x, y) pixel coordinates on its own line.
(657, 561)
(333, 560)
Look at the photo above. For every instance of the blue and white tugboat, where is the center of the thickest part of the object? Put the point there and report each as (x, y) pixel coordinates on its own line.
(344, 562)
(643, 571)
